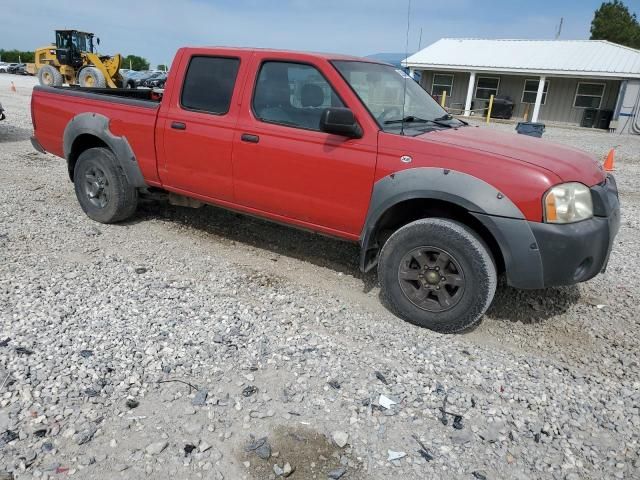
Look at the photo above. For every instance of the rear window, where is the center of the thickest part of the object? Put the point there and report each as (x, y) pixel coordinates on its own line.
(208, 85)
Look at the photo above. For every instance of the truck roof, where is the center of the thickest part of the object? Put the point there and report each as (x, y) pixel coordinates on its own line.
(267, 51)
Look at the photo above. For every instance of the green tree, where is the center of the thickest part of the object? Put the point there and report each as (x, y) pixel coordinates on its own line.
(14, 56)
(162, 67)
(135, 62)
(614, 22)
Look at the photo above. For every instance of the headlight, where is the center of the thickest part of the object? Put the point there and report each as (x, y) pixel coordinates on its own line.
(568, 203)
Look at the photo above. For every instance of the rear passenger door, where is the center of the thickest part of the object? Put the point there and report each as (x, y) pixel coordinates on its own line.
(197, 127)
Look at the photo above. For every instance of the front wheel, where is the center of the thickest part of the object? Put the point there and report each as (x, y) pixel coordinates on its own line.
(91, 77)
(438, 274)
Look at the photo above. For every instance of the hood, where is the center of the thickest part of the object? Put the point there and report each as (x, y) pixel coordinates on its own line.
(570, 164)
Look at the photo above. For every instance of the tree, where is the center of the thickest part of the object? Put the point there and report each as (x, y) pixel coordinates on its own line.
(162, 67)
(135, 62)
(614, 22)
(14, 56)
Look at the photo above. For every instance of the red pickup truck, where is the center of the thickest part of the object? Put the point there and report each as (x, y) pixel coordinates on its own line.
(351, 148)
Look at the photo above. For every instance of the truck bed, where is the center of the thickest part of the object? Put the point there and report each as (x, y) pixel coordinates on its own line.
(131, 113)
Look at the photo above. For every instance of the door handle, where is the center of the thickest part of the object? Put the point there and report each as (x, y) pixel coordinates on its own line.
(178, 125)
(247, 137)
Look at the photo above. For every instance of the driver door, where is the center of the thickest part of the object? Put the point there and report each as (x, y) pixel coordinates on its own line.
(285, 166)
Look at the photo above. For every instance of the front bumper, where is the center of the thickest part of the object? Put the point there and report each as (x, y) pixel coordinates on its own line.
(577, 252)
(540, 255)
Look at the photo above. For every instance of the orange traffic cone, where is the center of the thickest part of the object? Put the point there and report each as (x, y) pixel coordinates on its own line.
(13, 88)
(608, 163)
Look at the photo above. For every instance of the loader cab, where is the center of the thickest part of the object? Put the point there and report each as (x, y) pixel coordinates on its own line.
(70, 44)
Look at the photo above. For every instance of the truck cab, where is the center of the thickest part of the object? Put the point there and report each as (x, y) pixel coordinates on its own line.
(70, 44)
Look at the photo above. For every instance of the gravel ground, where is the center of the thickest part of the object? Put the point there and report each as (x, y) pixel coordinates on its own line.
(171, 345)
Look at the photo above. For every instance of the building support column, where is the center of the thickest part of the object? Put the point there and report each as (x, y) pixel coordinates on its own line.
(470, 88)
(536, 108)
(412, 72)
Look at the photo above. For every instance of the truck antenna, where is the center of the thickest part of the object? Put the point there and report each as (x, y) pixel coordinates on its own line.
(406, 52)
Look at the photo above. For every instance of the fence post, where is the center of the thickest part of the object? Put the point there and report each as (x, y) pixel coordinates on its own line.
(443, 99)
(490, 108)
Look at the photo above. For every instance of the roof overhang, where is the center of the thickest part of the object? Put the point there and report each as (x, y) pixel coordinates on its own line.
(512, 71)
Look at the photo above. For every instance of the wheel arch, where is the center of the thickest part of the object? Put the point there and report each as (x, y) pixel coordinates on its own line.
(416, 207)
(90, 130)
(416, 193)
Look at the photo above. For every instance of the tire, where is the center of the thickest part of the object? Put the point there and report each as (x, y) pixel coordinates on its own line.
(91, 77)
(415, 260)
(102, 189)
(50, 76)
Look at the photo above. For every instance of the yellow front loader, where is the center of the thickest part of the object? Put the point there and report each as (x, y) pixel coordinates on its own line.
(73, 60)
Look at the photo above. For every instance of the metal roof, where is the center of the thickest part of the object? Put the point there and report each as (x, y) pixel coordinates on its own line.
(584, 58)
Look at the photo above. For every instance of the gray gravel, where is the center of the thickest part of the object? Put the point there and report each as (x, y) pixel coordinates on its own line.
(204, 344)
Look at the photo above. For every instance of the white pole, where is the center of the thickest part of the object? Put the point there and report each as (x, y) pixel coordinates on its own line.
(411, 73)
(472, 85)
(536, 108)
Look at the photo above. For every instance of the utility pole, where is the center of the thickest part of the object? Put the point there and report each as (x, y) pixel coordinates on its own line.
(420, 40)
(559, 31)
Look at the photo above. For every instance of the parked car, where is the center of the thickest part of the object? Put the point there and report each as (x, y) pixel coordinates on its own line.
(8, 67)
(18, 68)
(2, 115)
(135, 79)
(327, 143)
(143, 81)
(155, 81)
(21, 69)
(4, 67)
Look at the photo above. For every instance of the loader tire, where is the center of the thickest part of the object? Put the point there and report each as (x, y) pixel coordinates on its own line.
(91, 77)
(49, 76)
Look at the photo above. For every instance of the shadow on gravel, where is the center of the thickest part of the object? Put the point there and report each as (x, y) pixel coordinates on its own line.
(230, 227)
(9, 133)
(532, 306)
(527, 306)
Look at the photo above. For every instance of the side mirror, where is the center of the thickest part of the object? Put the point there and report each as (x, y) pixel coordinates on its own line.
(340, 121)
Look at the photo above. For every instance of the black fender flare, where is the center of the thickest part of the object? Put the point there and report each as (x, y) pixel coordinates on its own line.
(97, 125)
(499, 215)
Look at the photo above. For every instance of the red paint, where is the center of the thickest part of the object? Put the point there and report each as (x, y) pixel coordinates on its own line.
(305, 178)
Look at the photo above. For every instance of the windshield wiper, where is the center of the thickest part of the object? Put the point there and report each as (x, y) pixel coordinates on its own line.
(412, 119)
(448, 116)
(409, 119)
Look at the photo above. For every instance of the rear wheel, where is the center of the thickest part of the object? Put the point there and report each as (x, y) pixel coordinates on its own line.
(91, 77)
(102, 189)
(49, 76)
(438, 274)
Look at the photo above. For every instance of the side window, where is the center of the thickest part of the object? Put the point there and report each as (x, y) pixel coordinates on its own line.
(486, 87)
(292, 94)
(208, 84)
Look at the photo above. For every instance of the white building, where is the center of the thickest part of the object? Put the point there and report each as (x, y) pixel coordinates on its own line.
(592, 83)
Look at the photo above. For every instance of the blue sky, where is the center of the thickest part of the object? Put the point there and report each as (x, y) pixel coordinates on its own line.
(156, 28)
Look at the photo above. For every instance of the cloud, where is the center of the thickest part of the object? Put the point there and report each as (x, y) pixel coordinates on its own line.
(155, 29)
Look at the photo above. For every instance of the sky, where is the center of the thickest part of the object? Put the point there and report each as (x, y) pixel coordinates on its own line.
(155, 29)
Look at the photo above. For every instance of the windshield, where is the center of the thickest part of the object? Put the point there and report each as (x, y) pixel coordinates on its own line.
(381, 88)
